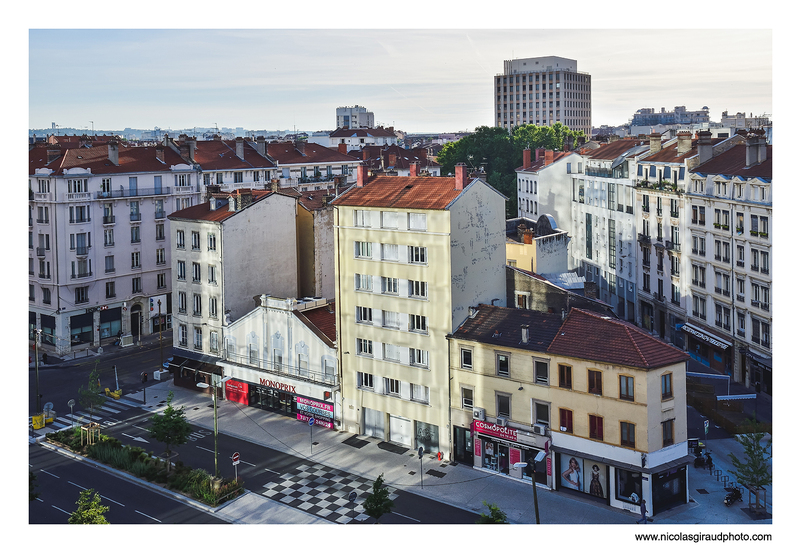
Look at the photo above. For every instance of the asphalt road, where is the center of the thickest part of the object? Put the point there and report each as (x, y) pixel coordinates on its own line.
(60, 480)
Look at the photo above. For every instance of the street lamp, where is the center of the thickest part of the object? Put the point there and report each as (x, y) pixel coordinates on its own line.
(532, 464)
(214, 393)
(38, 332)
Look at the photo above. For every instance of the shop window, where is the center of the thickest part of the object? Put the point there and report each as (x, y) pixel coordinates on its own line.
(503, 405)
(666, 386)
(628, 486)
(627, 432)
(596, 383)
(565, 420)
(596, 427)
(541, 371)
(565, 377)
(668, 432)
(626, 388)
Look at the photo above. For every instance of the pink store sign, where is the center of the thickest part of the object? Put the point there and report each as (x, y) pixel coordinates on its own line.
(495, 430)
(322, 413)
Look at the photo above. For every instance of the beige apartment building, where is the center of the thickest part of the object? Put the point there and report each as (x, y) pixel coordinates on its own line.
(603, 400)
(413, 253)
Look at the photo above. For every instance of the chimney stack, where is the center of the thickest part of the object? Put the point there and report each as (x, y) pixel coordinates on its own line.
(53, 152)
(364, 153)
(461, 176)
(240, 147)
(160, 153)
(526, 158)
(275, 185)
(342, 148)
(413, 169)
(705, 150)
(548, 157)
(524, 329)
(113, 152)
(361, 173)
(261, 146)
(684, 142)
(655, 142)
(539, 154)
(300, 146)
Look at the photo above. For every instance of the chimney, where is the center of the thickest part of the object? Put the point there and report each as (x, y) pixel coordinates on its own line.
(413, 169)
(160, 153)
(361, 172)
(364, 153)
(53, 152)
(705, 150)
(590, 290)
(526, 157)
(655, 142)
(392, 160)
(472, 312)
(524, 330)
(275, 185)
(461, 176)
(684, 142)
(184, 150)
(342, 148)
(192, 142)
(212, 189)
(240, 147)
(300, 146)
(548, 157)
(113, 152)
(85, 142)
(261, 146)
(539, 154)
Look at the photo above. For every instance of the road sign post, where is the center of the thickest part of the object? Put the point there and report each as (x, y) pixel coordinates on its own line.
(311, 430)
(420, 451)
(235, 459)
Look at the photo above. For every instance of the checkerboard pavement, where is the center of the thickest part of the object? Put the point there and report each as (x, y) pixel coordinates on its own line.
(323, 491)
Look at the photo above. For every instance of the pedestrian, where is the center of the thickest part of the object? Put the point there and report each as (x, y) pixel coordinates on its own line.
(643, 510)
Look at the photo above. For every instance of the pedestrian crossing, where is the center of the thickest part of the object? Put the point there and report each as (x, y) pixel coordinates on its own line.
(106, 415)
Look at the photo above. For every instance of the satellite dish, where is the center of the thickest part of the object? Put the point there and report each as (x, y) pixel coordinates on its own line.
(71, 403)
(48, 406)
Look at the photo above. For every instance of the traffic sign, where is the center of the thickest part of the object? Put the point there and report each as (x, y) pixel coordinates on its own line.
(311, 421)
(235, 458)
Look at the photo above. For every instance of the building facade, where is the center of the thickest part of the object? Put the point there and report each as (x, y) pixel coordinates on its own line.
(543, 91)
(354, 117)
(413, 253)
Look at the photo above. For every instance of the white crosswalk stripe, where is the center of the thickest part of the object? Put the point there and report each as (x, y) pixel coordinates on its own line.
(105, 415)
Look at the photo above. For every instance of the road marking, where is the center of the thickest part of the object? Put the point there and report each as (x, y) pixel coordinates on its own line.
(404, 516)
(204, 449)
(112, 501)
(51, 474)
(136, 438)
(272, 471)
(246, 463)
(148, 516)
(62, 510)
(76, 485)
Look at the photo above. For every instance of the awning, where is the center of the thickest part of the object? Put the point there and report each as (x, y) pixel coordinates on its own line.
(681, 461)
(706, 336)
(199, 366)
(766, 361)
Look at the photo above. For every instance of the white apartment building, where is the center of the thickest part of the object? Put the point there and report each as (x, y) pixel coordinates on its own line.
(99, 256)
(308, 166)
(543, 91)
(354, 117)
(729, 197)
(413, 254)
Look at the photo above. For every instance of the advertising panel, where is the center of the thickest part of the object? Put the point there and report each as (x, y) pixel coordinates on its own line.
(496, 430)
(321, 412)
(237, 391)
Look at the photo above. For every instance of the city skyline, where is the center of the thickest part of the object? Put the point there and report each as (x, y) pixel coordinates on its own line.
(417, 80)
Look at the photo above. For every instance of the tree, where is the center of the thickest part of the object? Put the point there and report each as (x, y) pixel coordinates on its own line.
(170, 428)
(378, 503)
(495, 516)
(92, 395)
(32, 485)
(89, 511)
(753, 471)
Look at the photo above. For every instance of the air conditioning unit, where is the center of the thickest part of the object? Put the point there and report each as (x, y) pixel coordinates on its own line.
(502, 421)
(540, 429)
(479, 414)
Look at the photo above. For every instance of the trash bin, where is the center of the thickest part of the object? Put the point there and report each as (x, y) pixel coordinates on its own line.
(38, 421)
(144, 377)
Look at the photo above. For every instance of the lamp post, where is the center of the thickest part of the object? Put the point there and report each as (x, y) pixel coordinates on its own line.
(38, 332)
(532, 464)
(160, 341)
(214, 393)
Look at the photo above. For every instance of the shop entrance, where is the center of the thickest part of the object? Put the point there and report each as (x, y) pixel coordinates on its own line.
(463, 446)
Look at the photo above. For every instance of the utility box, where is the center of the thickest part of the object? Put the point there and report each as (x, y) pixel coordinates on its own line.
(160, 375)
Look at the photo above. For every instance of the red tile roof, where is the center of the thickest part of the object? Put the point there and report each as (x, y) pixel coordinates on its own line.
(502, 326)
(732, 162)
(312, 200)
(613, 150)
(287, 154)
(323, 319)
(378, 157)
(133, 159)
(402, 193)
(220, 155)
(202, 212)
(669, 154)
(538, 165)
(587, 335)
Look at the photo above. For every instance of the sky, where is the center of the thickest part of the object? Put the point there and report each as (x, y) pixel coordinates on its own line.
(417, 80)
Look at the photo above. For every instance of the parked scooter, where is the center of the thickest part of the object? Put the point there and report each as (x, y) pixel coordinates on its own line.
(734, 495)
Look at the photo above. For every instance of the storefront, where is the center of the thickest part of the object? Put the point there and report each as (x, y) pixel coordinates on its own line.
(709, 349)
(497, 448)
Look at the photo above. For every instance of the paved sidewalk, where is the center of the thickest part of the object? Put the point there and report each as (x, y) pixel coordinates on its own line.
(457, 485)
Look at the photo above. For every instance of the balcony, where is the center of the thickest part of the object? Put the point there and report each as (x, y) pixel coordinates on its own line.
(109, 219)
(42, 221)
(44, 276)
(673, 246)
(740, 298)
(267, 367)
(163, 191)
(740, 263)
(161, 214)
(599, 172)
(644, 238)
(81, 275)
(82, 251)
(645, 208)
(76, 196)
(674, 214)
(136, 216)
(40, 251)
(764, 306)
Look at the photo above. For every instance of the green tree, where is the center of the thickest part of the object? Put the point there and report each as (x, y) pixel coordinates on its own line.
(90, 510)
(170, 428)
(378, 503)
(753, 470)
(32, 485)
(92, 395)
(495, 515)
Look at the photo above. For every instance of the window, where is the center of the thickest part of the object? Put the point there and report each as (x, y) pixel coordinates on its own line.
(212, 274)
(136, 285)
(179, 240)
(503, 405)
(182, 335)
(195, 272)
(364, 249)
(419, 393)
(195, 240)
(502, 364)
(181, 270)
(391, 352)
(46, 295)
(391, 319)
(565, 420)
(466, 359)
(212, 242)
(626, 388)
(364, 282)
(418, 323)
(161, 256)
(212, 307)
(364, 347)
(667, 431)
(136, 236)
(197, 305)
(467, 398)
(418, 357)
(391, 386)
(390, 252)
(161, 280)
(390, 219)
(277, 359)
(595, 427)
(666, 386)
(417, 289)
(238, 177)
(364, 315)
(596, 382)
(365, 380)
(108, 237)
(159, 231)
(389, 285)
(198, 337)
(627, 434)
(109, 259)
(565, 376)
(541, 371)
(181, 302)
(541, 413)
(302, 365)
(136, 260)
(111, 291)
(213, 341)
(417, 254)
(417, 221)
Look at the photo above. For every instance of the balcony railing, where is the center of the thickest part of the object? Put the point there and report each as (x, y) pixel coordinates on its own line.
(644, 238)
(109, 219)
(163, 191)
(673, 246)
(82, 275)
(82, 250)
(40, 251)
(161, 214)
(136, 216)
(283, 369)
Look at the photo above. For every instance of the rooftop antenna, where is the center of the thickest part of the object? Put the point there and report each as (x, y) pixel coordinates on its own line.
(92, 122)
